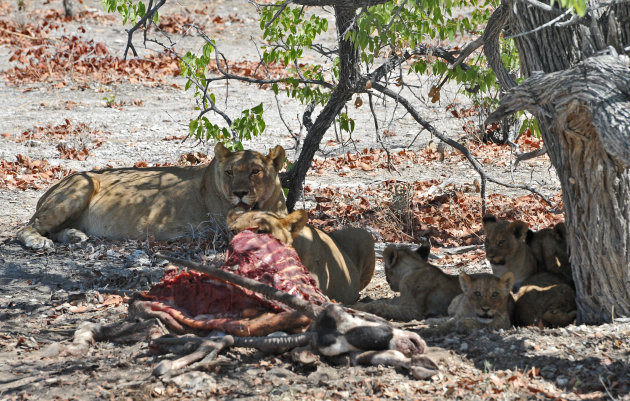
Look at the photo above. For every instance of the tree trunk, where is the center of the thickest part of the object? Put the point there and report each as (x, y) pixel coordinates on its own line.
(582, 103)
(67, 7)
(348, 80)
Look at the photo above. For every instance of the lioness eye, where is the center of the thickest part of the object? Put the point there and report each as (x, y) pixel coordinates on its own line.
(255, 171)
(500, 243)
(228, 173)
(477, 293)
(495, 294)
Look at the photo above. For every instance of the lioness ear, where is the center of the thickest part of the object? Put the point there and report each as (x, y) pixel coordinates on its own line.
(277, 155)
(560, 230)
(221, 151)
(464, 281)
(507, 280)
(390, 255)
(519, 228)
(295, 222)
(488, 219)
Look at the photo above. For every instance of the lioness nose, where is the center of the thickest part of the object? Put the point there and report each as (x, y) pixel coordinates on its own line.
(240, 194)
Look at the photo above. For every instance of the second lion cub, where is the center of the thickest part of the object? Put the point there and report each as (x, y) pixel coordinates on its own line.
(486, 302)
(507, 250)
(425, 290)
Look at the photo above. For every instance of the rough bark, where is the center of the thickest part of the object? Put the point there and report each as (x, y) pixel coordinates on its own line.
(584, 116)
(349, 76)
(68, 9)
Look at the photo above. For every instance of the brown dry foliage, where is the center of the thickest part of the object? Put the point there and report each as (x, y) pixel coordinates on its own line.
(83, 61)
(452, 218)
(61, 131)
(26, 173)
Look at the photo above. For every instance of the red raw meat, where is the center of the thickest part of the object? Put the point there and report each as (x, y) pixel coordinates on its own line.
(202, 302)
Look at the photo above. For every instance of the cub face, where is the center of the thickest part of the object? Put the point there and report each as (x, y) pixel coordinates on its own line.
(400, 261)
(507, 249)
(487, 294)
(284, 229)
(503, 238)
(248, 179)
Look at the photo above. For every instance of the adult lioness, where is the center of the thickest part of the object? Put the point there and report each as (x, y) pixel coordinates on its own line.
(546, 300)
(549, 247)
(342, 262)
(507, 250)
(165, 202)
(425, 290)
(486, 302)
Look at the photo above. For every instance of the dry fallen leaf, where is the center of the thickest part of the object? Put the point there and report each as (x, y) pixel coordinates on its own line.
(434, 94)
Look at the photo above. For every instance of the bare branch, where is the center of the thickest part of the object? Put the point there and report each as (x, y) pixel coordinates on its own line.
(147, 17)
(456, 145)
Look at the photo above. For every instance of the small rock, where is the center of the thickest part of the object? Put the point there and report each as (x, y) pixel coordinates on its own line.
(279, 372)
(529, 345)
(137, 258)
(562, 381)
(110, 253)
(322, 375)
(463, 347)
(303, 355)
(195, 381)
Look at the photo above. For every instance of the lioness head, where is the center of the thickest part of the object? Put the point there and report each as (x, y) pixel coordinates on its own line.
(283, 228)
(400, 261)
(249, 179)
(487, 294)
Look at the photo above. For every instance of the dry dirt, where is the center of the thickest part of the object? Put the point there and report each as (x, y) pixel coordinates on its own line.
(130, 118)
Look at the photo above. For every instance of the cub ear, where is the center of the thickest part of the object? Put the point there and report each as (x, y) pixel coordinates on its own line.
(529, 237)
(233, 214)
(519, 228)
(560, 231)
(488, 219)
(424, 250)
(277, 156)
(465, 281)
(507, 280)
(221, 151)
(390, 256)
(295, 222)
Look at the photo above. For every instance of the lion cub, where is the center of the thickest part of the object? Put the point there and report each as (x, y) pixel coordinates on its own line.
(549, 246)
(486, 302)
(507, 250)
(545, 300)
(342, 262)
(425, 290)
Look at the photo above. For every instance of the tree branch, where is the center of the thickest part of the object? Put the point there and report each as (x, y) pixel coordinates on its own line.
(148, 16)
(458, 146)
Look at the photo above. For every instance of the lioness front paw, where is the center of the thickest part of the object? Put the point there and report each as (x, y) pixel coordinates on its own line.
(39, 243)
(32, 239)
(71, 236)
